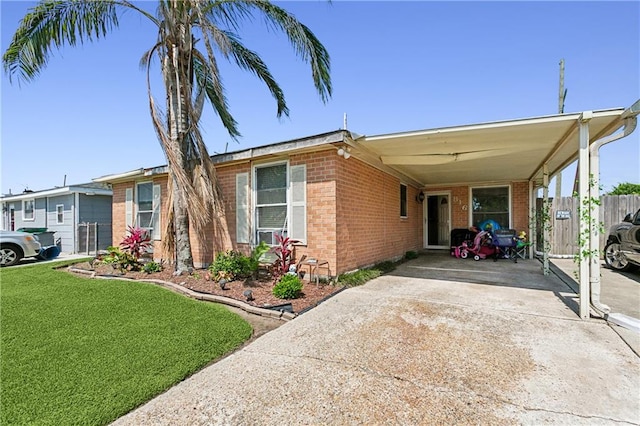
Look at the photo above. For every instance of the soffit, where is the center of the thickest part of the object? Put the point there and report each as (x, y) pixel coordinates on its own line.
(512, 150)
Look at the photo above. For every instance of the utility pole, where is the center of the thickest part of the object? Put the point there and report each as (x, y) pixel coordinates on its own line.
(562, 94)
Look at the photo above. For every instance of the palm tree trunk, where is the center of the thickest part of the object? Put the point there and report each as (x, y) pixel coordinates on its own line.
(184, 258)
(176, 72)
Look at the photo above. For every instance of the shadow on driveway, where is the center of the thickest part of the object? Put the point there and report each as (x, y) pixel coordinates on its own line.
(524, 274)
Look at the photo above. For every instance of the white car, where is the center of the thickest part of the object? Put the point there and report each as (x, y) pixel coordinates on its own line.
(15, 245)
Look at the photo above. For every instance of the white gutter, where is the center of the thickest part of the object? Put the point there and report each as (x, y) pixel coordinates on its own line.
(630, 122)
(125, 175)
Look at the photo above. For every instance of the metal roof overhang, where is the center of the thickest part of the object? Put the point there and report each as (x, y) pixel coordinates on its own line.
(513, 150)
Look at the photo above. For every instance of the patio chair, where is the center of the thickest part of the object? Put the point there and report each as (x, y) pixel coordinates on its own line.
(522, 249)
(505, 242)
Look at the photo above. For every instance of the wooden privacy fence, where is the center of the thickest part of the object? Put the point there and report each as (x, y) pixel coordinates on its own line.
(565, 221)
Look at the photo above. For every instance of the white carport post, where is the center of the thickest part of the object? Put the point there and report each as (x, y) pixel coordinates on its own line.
(630, 122)
(532, 214)
(546, 225)
(583, 196)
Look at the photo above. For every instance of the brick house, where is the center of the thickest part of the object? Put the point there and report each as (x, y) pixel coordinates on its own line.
(302, 188)
(357, 200)
(344, 210)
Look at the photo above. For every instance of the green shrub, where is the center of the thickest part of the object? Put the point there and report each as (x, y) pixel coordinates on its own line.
(256, 254)
(356, 278)
(384, 267)
(120, 259)
(411, 255)
(231, 265)
(152, 266)
(289, 287)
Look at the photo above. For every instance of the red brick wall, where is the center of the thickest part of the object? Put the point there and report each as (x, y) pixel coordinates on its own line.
(321, 206)
(118, 213)
(520, 206)
(369, 226)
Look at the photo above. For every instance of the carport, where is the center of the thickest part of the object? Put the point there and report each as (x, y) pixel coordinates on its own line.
(529, 150)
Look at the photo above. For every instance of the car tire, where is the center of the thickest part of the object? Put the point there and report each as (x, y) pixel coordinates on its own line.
(615, 259)
(9, 255)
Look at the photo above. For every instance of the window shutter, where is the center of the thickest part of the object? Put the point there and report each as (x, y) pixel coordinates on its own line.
(155, 221)
(298, 222)
(128, 206)
(242, 208)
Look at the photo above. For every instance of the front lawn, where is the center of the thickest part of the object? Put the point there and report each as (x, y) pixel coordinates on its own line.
(85, 351)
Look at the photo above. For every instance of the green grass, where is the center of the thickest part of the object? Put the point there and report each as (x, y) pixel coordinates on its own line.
(86, 351)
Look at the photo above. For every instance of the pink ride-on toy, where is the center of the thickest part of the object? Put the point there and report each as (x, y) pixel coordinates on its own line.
(481, 248)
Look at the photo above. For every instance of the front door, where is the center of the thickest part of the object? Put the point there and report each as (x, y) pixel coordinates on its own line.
(12, 218)
(438, 221)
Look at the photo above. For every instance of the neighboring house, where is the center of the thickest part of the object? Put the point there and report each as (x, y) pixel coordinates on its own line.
(79, 216)
(357, 200)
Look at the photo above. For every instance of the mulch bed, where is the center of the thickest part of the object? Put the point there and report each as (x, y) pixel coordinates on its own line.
(200, 281)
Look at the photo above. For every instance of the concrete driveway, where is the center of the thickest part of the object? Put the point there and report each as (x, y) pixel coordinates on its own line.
(438, 341)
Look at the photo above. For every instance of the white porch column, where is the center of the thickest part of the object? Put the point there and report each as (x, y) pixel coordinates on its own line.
(532, 215)
(546, 225)
(583, 196)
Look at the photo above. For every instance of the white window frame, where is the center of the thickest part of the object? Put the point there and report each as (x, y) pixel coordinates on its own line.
(59, 213)
(510, 211)
(33, 210)
(254, 200)
(137, 211)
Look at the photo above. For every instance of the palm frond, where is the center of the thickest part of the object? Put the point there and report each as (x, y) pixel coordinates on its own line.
(206, 78)
(226, 12)
(305, 43)
(52, 24)
(250, 61)
(145, 60)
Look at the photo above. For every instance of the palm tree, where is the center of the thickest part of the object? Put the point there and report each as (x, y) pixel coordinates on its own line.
(190, 77)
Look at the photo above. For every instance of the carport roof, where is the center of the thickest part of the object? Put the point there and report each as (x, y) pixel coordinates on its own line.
(513, 150)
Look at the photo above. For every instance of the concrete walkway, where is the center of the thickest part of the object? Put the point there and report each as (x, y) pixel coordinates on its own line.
(438, 341)
(619, 290)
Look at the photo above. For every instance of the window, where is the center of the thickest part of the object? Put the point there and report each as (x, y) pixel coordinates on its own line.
(147, 213)
(144, 206)
(271, 202)
(490, 204)
(279, 204)
(403, 200)
(60, 214)
(28, 209)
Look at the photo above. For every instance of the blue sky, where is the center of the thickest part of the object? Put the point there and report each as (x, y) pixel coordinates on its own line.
(396, 66)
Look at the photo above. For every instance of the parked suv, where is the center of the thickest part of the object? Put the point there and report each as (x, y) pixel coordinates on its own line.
(622, 251)
(16, 245)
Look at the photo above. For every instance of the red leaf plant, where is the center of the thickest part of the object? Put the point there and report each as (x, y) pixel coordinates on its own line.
(284, 254)
(137, 242)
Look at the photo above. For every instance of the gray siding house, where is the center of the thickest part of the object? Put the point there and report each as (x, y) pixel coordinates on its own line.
(77, 218)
